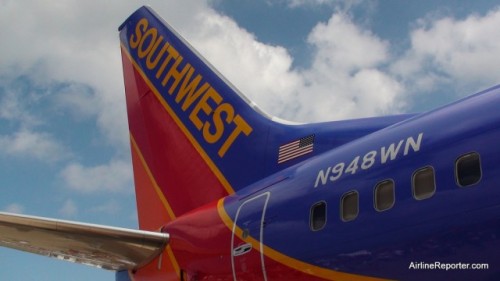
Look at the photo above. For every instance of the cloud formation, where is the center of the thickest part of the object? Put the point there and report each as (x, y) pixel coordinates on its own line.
(346, 79)
(353, 71)
(38, 145)
(461, 53)
(68, 209)
(14, 208)
(115, 176)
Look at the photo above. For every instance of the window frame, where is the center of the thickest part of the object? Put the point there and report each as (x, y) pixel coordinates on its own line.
(346, 194)
(413, 185)
(311, 215)
(457, 178)
(380, 183)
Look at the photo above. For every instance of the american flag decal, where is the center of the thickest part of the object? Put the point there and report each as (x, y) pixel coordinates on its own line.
(295, 149)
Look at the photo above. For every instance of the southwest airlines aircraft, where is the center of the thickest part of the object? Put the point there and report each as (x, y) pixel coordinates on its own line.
(225, 192)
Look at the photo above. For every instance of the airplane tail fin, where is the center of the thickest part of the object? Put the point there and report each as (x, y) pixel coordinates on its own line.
(195, 138)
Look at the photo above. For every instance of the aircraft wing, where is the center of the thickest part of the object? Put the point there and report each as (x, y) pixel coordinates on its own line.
(101, 246)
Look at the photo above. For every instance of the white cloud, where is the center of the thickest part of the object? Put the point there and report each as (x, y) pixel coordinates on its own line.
(14, 208)
(116, 176)
(71, 42)
(14, 103)
(342, 45)
(463, 53)
(346, 3)
(39, 145)
(79, 100)
(68, 209)
(111, 208)
(345, 79)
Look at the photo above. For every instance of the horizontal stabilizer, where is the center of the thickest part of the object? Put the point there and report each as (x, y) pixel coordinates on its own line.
(101, 246)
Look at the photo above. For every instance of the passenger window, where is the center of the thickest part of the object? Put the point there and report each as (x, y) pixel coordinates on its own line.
(349, 206)
(318, 216)
(424, 183)
(384, 195)
(468, 169)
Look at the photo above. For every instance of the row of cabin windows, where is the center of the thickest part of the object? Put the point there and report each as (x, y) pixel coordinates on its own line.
(467, 173)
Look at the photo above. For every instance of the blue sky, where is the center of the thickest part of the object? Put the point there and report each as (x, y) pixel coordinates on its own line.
(64, 148)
